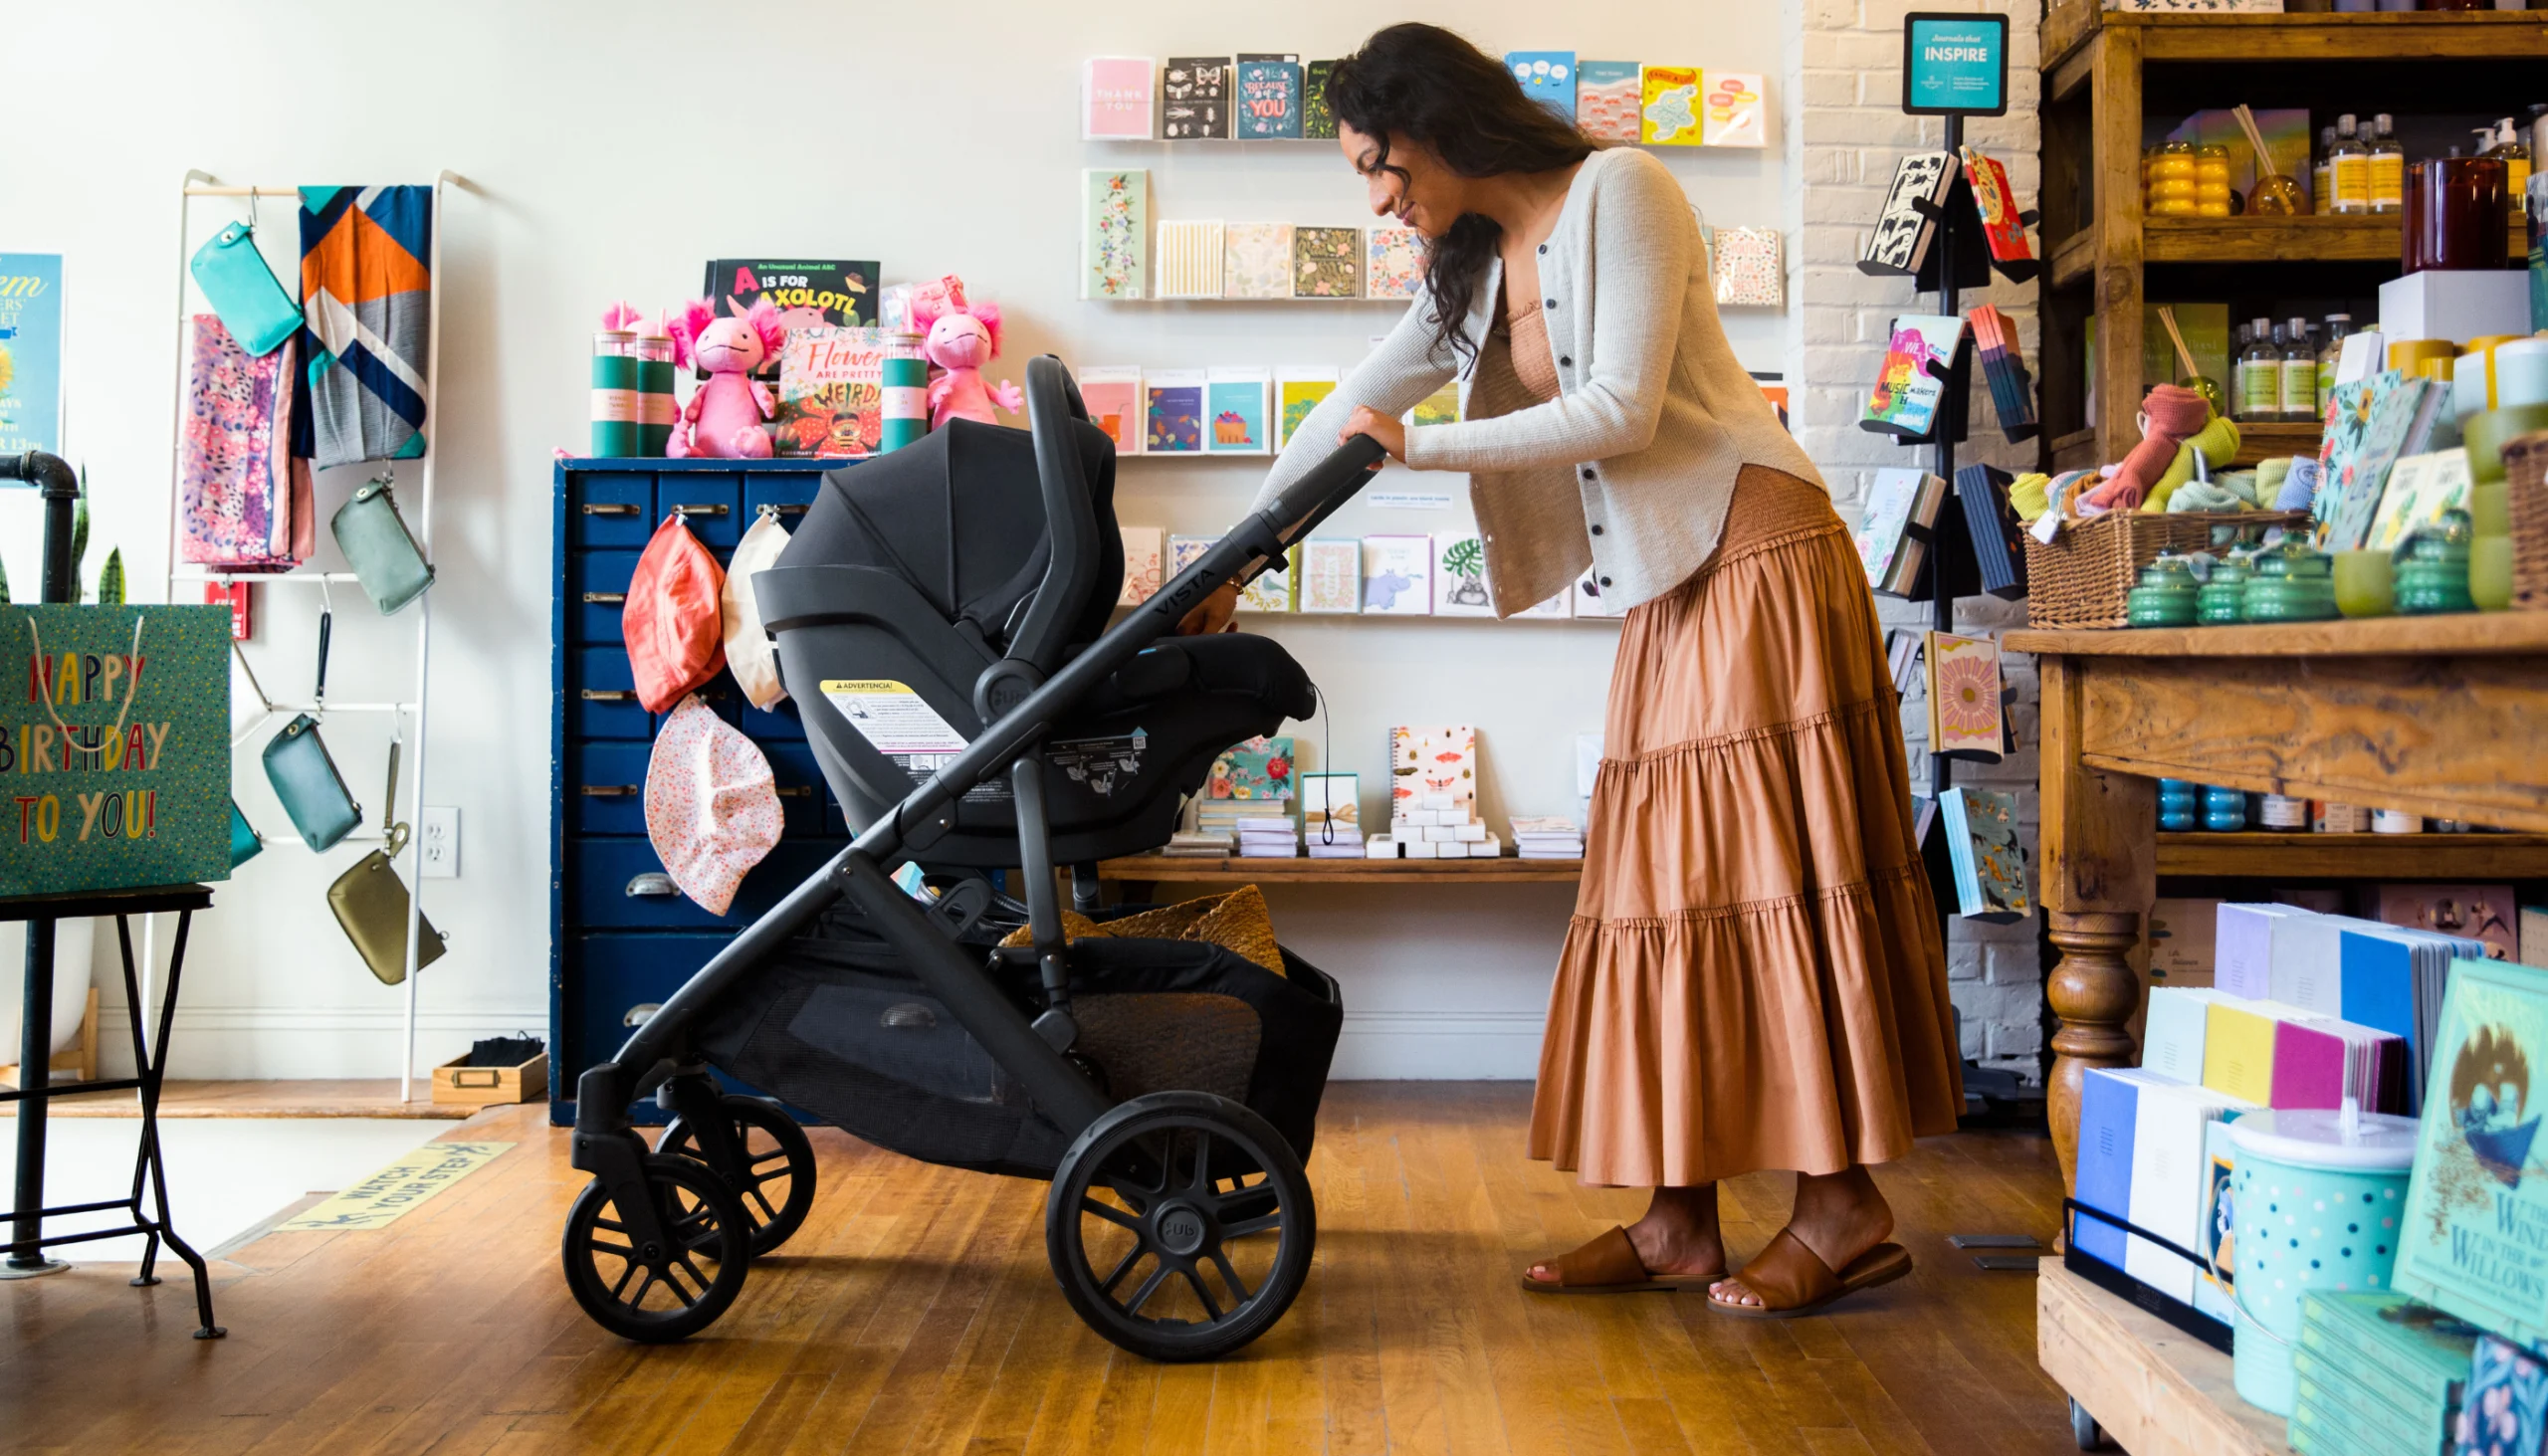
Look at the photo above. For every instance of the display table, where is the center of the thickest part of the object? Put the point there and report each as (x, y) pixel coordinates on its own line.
(2445, 717)
(1155, 869)
(2157, 1390)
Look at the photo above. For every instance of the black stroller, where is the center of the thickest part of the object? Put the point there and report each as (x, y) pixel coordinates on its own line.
(940, 621)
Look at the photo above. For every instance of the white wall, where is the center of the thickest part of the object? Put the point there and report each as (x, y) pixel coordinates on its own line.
(611, 148)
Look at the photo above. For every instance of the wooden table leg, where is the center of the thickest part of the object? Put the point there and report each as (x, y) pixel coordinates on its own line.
(2098, 854)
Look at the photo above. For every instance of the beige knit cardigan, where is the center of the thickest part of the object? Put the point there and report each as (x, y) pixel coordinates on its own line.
(1630, 469)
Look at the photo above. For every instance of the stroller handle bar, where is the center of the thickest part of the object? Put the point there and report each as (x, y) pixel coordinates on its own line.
(1053, 404)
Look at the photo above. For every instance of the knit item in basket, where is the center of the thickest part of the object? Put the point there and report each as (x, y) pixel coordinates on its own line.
(1237, 921)
(2171, 414)
(2079, 579)
(2526, 496)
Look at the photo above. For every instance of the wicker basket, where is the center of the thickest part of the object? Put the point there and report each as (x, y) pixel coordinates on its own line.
(2081, 579)
(2526, 498)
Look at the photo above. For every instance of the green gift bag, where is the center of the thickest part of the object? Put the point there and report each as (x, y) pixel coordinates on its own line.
(115, 754)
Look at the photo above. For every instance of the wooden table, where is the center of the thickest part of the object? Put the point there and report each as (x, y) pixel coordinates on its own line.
(1241, 870)
(2445, 717)
(2155, 1389)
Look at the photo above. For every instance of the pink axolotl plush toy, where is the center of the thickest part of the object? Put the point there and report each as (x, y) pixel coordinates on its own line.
(725, 415)
(961, 338)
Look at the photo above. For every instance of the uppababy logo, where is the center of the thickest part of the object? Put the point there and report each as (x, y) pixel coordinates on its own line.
(1098, 763)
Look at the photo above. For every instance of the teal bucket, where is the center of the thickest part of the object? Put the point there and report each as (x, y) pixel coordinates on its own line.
(2315, 1201)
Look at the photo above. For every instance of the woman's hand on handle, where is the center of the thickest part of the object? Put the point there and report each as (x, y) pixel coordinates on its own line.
(1215, 613)
(1388, 430)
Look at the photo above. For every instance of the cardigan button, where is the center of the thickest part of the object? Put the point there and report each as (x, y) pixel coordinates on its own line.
(1606, 582)
(1565, 361)
(1588, 472)
(1596, 527)
(1544, 248)
(1551, 302)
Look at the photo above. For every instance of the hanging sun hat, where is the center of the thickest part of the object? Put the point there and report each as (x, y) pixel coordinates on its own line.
(749, 652)
(671, 622)
(712, 809)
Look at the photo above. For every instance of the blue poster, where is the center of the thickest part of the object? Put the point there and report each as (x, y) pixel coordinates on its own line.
(1954, 64)
(30, 352)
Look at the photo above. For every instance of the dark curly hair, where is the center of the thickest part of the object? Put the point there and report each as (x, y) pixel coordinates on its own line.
(1430, 87)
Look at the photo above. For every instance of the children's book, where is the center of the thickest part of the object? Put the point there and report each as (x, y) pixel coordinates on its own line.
(804, 293)
(1268, 98)
(1118, 94)
(1442, 407)
(1256, 260)
(1459, 577)
(1393, 263)
(1912, 382)
(1990, 866)
(31, 318)
(2504, 1410)
(1900, 241)
(1669, 113)
(1963, 697)
(1272, 590)
(1187, 264)
(1327, 263)
(1258, 770)
(1425, 761)
(1174, 420)
(1297, 391)
(1606, 97)
(1901, 507)
(1144, 548)
(1735, 111)
(2420, 487)
(1397, 572)
(831, 391)
(1546, 76)
(1113, 394)
(2473, 1237)
(1115, 227)
(1318, 118)
(1194, 99)
(1234, 413)
(1330, 574)
(1999, 207)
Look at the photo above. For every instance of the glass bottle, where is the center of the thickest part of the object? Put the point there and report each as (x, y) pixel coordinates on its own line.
(2299, 375)
(2349, 169)
(2237, 406)
(2338, 325)
(2322, 191)
(2261, 377)
(2388, 167)
(2516, 159)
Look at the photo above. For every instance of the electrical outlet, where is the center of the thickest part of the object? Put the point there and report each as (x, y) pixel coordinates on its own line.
(437, 841)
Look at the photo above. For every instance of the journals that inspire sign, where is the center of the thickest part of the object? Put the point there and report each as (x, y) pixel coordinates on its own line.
(1955, 64)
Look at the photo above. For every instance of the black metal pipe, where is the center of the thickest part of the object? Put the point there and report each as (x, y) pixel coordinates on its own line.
(53, 476)
(35, 1067)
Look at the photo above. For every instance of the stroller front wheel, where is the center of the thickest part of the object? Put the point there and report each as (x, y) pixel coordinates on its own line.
(650, 1294)
(1181, 1225)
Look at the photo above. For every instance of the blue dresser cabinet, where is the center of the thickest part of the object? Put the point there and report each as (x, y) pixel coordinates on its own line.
(619, 937)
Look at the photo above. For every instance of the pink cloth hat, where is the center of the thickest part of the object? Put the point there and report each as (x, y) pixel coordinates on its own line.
(712, 809)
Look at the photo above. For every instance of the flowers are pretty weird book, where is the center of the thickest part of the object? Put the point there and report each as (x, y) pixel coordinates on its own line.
(2472, 1238)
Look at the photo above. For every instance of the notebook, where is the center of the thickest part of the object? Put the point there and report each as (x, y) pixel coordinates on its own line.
(2168, 1163)
(1902, 509)
(1911, 385)
(1904, 230)
(2172, 1031)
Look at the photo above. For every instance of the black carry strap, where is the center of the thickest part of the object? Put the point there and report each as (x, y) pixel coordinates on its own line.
(326, 625)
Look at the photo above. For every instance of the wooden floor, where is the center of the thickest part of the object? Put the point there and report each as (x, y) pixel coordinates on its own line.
(349, 1097)
(915, 1314)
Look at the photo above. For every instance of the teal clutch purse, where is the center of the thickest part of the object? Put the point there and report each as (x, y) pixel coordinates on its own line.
(305, 777)
(376, 544)
(242, 290)
(244, 843)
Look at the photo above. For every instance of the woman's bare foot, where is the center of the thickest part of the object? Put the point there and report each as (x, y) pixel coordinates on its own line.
(1837, 1215)
(1677, 1235)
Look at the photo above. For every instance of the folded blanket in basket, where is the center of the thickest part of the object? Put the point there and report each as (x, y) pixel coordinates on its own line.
(1237, 921)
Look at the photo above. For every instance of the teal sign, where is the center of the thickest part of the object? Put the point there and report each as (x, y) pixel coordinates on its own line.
(1955, 64)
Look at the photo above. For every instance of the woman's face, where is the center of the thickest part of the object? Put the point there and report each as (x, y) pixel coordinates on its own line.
(1428, 198)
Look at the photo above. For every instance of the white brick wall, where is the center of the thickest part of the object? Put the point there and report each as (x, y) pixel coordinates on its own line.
(1845, 132)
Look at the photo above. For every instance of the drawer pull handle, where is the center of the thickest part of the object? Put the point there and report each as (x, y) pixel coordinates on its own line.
(611, 508)
(719, 508)
(606, 598)
(653, 884)
(771, 509)
(614, 791)
(609, 695)
(797, 792)
(640, 1015)
(477, 1076)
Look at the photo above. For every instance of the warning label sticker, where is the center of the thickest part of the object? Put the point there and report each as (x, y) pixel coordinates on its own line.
(891, 716)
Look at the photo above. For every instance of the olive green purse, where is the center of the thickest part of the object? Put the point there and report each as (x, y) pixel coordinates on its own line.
(370, 900)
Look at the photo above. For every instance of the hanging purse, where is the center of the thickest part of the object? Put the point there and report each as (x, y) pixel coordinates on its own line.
(244, 843)
(242, 290)
(377, 545)
(370, 900)
(305, 778)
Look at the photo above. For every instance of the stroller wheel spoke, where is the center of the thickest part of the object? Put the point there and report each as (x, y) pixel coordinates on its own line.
(1149, 1287)
(632, 1271)
(1211, 1307)
(1247, 1226)
(1110, 1213)
(1122, 1268)
(692, 1270)
(755, 1198)
(617, 1251)
(1238, 1287)
(1203, 1178)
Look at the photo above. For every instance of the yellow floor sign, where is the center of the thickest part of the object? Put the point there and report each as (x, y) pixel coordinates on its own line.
(395, 1190)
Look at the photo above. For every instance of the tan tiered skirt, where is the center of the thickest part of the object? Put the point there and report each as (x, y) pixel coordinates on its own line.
(1753, 978)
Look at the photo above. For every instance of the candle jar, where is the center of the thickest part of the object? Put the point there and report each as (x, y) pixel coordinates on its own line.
(2366, 583)
(2224, 810)
(2180, 805)
(2293, 583)
(2432, 568)
(2223, 601)
(2166, 595)
(2211, 182)
(2457, 213)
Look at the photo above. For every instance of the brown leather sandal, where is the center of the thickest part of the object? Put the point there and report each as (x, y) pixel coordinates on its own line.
(1793, 1280)
(1609, 1265)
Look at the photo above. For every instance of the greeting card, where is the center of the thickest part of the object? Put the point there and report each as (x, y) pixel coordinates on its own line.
(1256, 260)
(1297, 391)
(1606, 97)
(1398, 575)
(1669, 114)
(1234, 411)
(1174, 424)
(1330, 574)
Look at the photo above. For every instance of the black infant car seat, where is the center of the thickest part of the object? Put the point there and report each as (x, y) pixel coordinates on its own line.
(915, 575)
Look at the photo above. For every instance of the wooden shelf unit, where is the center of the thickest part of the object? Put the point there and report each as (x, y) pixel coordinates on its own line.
(2098, 68)
(2251, 855)
(1239, 869)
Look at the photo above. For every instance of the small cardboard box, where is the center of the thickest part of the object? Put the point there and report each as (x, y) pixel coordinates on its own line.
(455, 1082)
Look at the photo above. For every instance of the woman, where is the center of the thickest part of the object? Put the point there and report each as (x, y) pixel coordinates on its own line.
(1752, 977)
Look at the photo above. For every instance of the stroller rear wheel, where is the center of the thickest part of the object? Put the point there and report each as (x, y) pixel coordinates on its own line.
(1181, 1225)
(775, 1178)
(656, 1294)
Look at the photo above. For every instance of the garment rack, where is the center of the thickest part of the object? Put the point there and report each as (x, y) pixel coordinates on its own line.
(201, 184)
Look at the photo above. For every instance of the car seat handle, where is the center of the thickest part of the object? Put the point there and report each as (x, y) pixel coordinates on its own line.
(1053, 409)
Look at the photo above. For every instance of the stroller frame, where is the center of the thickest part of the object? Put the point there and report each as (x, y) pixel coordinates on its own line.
(1019, 699)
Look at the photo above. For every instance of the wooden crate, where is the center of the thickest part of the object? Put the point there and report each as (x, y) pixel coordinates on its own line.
(467, 1086)
(2157, 1390)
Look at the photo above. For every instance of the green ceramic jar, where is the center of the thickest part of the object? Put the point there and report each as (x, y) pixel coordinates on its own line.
(2432, 568)
(2293, 583)
(2222, 601)
(2166, 595)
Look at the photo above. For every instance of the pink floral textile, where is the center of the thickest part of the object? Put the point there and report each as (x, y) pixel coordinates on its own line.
(235, 471)
(711, 805)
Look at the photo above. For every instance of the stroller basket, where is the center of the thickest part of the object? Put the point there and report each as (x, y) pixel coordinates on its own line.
(842, 1029)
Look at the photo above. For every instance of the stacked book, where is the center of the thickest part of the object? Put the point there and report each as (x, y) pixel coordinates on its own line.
(2378, 1372)
(2270, 1054)
(2012, 392)
(1249, 791)
(1331, 815)
(1999, 545)
(1269, 834)
(1433, 797)
(1438, 826)
(2388, 977)
(2145, 1157)
(1547, 837)
(1198, 844)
